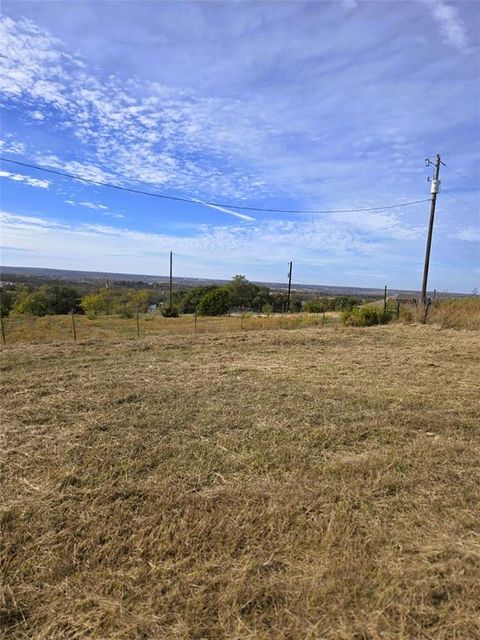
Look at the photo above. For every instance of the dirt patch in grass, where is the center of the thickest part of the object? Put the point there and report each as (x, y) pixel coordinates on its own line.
(314, 483)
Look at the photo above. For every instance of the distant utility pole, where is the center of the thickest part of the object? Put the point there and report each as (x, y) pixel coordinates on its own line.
(290, 264)
(435, 188)
(171, 282)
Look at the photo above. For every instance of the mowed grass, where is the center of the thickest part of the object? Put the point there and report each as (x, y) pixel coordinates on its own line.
(305, 484)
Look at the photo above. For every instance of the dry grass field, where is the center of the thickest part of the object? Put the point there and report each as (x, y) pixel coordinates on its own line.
(463, 313)
(26, 328)
(318, 483)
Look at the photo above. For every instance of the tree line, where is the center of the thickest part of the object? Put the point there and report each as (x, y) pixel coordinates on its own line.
(238, 295)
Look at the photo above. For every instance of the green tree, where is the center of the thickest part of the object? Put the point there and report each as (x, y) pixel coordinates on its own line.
(345, 303)
(7, 299)
(141, 299)
(127, 303)
(242, 292)
(278, 302)
(191, 297)
(61, 299)
(296, 305)
(262, 297)
(33, 302)
(47, 300)
(93, 304)
(214, 303)
(122, 301)
(170, 312)
(314, 306)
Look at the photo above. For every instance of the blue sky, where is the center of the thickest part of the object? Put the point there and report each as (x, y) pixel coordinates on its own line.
(298, 105)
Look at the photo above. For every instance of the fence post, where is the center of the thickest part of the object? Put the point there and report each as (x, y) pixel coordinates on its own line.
(427, 307)
(74, 330)
(398, 309)
(3, 329)
(385, 300)
(195, 323)
(323, 318)
(138, 322)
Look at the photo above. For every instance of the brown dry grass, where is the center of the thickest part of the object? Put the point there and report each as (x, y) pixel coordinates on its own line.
(461, 313)
(291, 485)
(447, 313)
(25, 328)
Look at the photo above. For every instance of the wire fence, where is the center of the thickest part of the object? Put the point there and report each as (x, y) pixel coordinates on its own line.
(30, 329)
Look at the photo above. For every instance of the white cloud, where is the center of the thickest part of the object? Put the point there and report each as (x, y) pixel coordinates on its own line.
(83, 170)
(114, 215)
(377, 222)
(9, 146)
(236, 214)
(451, 26)
(13, 220)
(147, 131)
(96, 207)
(92, 205)
(272, 242)
(469, 234)
(32, 182)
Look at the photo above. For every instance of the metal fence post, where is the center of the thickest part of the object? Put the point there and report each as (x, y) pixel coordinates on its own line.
(3, 329)
(74, 330)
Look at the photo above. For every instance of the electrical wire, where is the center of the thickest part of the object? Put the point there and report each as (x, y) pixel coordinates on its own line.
(197, 202)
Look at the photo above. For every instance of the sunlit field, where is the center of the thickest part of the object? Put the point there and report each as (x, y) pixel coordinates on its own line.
(318, 482)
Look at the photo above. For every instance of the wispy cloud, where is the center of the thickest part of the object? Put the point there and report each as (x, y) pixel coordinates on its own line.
(450, 24)
(469, 234)
(12, 146)
(236, 214)
(262, 243)
(152, 133)
(19, 177)
(92, 205)
(95, 206)
(85, 170)
(14, 220)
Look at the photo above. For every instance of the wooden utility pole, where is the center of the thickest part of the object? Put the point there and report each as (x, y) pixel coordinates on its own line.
(434, 190)
(171, 282)
(290, 264)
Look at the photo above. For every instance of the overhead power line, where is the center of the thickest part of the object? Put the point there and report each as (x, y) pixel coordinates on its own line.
(197, 202)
